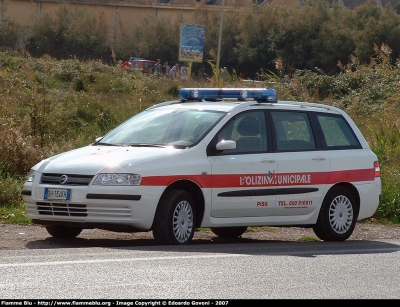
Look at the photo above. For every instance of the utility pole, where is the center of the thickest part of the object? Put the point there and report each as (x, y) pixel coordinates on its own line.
(220, 34)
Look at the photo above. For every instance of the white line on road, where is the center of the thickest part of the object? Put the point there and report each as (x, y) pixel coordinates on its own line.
(5, 265)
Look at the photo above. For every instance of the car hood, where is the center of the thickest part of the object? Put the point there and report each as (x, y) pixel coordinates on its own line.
(91, 160)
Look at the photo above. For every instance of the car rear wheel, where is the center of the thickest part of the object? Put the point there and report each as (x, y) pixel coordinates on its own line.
(229, 232)
(338, 216)
(63, 231)
(174, 220)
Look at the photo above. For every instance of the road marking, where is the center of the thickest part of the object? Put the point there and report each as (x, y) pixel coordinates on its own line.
(5, 265)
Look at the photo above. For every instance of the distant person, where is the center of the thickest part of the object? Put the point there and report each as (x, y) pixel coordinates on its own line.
(224, 74)
(157, 69)
(166, 68)
(174, 71)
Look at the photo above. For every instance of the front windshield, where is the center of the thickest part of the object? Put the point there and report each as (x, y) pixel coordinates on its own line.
(164, 127)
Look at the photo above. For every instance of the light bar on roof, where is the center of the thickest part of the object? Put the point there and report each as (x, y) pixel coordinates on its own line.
(263, 94)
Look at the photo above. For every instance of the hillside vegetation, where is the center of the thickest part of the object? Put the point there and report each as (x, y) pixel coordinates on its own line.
(314, 37)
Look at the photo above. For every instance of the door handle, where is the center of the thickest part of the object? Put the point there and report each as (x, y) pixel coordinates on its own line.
(268, 160)
(318, 158)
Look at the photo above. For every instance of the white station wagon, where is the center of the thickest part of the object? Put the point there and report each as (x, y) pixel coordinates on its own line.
(218, 158)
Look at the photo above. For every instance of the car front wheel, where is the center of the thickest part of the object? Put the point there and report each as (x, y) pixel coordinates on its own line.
(174, 220)
(338, 216)
(229, 232)
(63, 231)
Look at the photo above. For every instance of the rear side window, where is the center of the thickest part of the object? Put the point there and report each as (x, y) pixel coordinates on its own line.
(292, 131)
(337, 132)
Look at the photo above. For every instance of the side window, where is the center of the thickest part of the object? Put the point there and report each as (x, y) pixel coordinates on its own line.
(292, 131)
(249, 132)
(148, 65)
(337, 132)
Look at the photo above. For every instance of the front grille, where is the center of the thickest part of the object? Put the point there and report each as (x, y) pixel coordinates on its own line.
(68, 211)
(61, 209)
(72, 179)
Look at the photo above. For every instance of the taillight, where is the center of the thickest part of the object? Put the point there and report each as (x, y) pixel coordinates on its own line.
(377, 169)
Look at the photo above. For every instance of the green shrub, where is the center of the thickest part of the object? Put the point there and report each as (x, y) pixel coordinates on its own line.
(10, 190)
(389, 208)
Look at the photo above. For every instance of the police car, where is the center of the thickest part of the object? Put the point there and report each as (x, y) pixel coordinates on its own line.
(224, 159)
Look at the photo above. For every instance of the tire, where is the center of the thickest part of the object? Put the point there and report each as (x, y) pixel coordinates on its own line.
(229, 232)
(63, 231)
(338, 216)
(174, 219)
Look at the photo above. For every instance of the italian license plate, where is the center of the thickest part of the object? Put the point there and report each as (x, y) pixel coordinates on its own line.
(57, 194)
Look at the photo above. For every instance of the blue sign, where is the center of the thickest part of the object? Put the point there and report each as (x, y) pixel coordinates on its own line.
(192, 43)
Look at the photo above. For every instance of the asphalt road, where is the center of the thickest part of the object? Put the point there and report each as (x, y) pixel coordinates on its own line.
(365, 269)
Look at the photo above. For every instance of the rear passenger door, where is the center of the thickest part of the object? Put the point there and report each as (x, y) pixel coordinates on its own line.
(302, 168)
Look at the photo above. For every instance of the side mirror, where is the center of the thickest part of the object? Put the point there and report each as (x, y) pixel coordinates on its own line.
(97, 139)
(226, 145)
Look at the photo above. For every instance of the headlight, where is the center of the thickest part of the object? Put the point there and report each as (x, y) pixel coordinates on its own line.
(31, 176)
(117, 179)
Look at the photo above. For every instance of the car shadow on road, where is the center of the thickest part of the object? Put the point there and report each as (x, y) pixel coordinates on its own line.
(240, 245)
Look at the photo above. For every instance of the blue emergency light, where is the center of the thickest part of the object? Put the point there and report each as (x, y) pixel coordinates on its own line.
(259, 94)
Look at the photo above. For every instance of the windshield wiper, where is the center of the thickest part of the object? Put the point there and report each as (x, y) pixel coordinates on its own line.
(144, 145)
(131, 145)
(106, 144)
